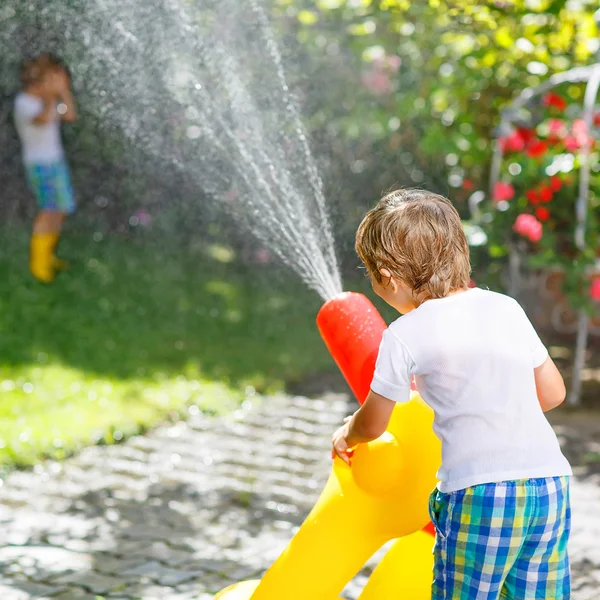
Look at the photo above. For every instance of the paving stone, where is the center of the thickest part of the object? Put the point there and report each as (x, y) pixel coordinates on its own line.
(26, 589)
(95, 582)
(113, 565)
(193, 506)
(75, 593)
(155, 592)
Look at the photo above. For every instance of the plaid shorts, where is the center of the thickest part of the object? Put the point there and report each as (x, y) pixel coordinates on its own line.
(502, 540)
(51, 184)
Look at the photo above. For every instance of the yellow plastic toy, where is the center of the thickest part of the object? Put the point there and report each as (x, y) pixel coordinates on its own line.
(381, 497)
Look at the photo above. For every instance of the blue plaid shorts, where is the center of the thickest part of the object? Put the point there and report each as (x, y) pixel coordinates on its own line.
(502, 540)
(51, 184)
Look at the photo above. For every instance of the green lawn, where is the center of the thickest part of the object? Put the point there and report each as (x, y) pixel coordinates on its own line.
(137, 331)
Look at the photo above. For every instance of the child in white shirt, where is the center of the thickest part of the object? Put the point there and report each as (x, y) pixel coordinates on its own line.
(501, 508)
(41, 106)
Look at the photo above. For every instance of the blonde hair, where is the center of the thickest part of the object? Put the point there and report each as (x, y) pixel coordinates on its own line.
(418, 237)
(33, 71)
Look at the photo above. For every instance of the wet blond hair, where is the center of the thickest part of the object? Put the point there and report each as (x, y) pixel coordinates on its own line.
(418, 237)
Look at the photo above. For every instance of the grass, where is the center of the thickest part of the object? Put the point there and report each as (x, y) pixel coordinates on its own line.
(136, 332)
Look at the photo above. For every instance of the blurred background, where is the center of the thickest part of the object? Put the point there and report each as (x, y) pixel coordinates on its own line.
(166, 403)
(172, 301)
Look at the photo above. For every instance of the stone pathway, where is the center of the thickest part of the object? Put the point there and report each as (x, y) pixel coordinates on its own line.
(192, 507)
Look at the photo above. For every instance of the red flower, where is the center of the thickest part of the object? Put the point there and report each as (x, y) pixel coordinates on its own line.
(597, 119)
(526, 134)
(542, 213)
(595, 288)
(467, 184)
(532, 196)
(512, 143)
(556, 101)
(536, 149)
(555, 183)
(528, 226)
(545, 193)
(503, 191)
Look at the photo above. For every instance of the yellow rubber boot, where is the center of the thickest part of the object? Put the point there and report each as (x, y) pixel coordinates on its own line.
(58, 264)
(40, 259)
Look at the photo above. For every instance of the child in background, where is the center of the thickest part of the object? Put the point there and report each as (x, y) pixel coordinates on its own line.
(43, 103)
(501, 508)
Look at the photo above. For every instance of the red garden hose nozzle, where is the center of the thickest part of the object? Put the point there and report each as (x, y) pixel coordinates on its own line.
(352, 329)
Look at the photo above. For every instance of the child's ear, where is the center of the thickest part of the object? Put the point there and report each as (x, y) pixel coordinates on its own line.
(388, 280)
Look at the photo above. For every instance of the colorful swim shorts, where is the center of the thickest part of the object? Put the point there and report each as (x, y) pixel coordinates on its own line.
(502, 540)
(51, 184)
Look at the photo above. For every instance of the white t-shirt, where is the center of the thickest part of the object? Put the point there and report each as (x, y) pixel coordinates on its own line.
(473, 356)
(40, 144)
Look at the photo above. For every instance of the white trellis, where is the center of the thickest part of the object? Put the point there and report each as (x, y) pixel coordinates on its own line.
(509, 116)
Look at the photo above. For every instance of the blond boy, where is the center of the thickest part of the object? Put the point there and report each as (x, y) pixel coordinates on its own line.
(43, 103)
(501, 507)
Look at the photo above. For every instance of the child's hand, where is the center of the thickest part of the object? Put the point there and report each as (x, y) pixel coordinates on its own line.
(62, 82)
(339, 445)
(51, 84)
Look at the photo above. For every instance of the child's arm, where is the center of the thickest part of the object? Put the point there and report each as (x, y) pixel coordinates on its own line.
(550, 385)
(66, 108)
(370, 420)
(47, 114)
(393, 374)
(366, 425)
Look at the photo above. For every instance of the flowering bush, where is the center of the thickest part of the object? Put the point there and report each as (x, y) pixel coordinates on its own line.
(535, 197)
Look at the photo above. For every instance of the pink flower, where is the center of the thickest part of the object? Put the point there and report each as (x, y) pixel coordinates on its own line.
(231, 196)
(580, 134)
(144, 218)
(377, 82)
(556, 127)
(595, 289)
(528, 226)
(263, 256)
(393, 63)
(503, 191)
(571, 144)
(579, 127)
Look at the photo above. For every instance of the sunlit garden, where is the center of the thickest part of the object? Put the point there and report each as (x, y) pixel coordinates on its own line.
(168, 400)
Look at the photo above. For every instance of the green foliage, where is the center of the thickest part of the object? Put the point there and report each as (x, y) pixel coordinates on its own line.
(443, 68)
(431, 77)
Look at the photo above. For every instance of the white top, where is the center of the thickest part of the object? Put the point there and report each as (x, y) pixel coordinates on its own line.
(473, 356)
(40, 144)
